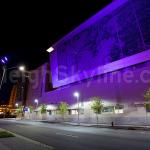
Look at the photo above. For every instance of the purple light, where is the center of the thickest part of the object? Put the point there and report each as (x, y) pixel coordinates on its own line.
(2, 61)
(6, 58)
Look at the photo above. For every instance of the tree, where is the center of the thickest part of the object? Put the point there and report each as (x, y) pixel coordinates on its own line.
(97, 106)
(147, 99)
(43, 109)
(30, 109)
(147, 95)
(20, 111)
(63, 108)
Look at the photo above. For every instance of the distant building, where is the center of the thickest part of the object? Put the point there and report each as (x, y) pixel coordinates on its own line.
(13, 96)
(106, 56)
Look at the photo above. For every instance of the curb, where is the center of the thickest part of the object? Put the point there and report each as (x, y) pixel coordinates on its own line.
(111, 127)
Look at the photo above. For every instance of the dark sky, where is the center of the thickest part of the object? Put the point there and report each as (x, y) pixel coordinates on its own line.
(28, 29)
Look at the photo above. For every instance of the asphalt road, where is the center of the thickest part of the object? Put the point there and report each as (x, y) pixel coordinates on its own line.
(65, 137)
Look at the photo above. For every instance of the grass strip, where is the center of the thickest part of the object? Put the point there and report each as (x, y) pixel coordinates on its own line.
(5, 134)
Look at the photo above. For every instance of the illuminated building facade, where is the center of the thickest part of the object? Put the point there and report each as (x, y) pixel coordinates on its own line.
(107, 56)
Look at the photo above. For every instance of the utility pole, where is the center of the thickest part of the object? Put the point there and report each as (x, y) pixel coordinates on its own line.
(3, 76)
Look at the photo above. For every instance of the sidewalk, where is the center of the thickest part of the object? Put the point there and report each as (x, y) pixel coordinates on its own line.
(128, 127)
(21, 143)
(125, 127)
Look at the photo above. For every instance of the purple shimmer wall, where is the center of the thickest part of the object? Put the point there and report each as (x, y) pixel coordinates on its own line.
(126, 85)
(107, 56)
(117, 32)
(36, 86)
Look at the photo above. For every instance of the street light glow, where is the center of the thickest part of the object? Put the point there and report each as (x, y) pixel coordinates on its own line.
(76, 94)
(22, 68)
(50, 49)
(2, 61)
(36, 100)
(6, 58)
(16, 104)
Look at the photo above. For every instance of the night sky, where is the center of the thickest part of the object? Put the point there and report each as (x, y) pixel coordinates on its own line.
(28, 29)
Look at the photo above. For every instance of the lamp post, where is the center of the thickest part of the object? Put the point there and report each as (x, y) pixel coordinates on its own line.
(4, 61)
(21, 84)
(2, 79)
(22, 70)
(37, 102)
(76, 94)
(16, 105)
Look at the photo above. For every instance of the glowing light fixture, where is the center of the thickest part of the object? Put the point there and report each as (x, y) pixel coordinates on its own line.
(76, 94)
(16, 104)
(2, 61)
(50, 49)
(22, 68)
(37, 102)
(6, 58)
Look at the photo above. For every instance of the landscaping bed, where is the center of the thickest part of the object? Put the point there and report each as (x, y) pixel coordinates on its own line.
(5, 134)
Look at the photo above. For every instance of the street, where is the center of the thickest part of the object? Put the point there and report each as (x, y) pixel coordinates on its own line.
(66, 137)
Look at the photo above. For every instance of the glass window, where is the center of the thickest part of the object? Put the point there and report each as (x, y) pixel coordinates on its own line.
(108, 109)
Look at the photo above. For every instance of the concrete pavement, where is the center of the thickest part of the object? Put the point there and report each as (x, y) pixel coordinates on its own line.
(66, 137)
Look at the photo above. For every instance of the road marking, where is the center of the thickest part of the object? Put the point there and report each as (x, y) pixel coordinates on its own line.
(69, 135)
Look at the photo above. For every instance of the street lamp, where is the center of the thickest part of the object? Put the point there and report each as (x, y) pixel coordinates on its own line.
(50, 50)
(76, 94)
(17, 105)
(37, 102)
(22, 68)
(4, 61)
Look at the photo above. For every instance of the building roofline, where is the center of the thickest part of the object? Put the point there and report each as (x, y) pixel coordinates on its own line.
(105, 11)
